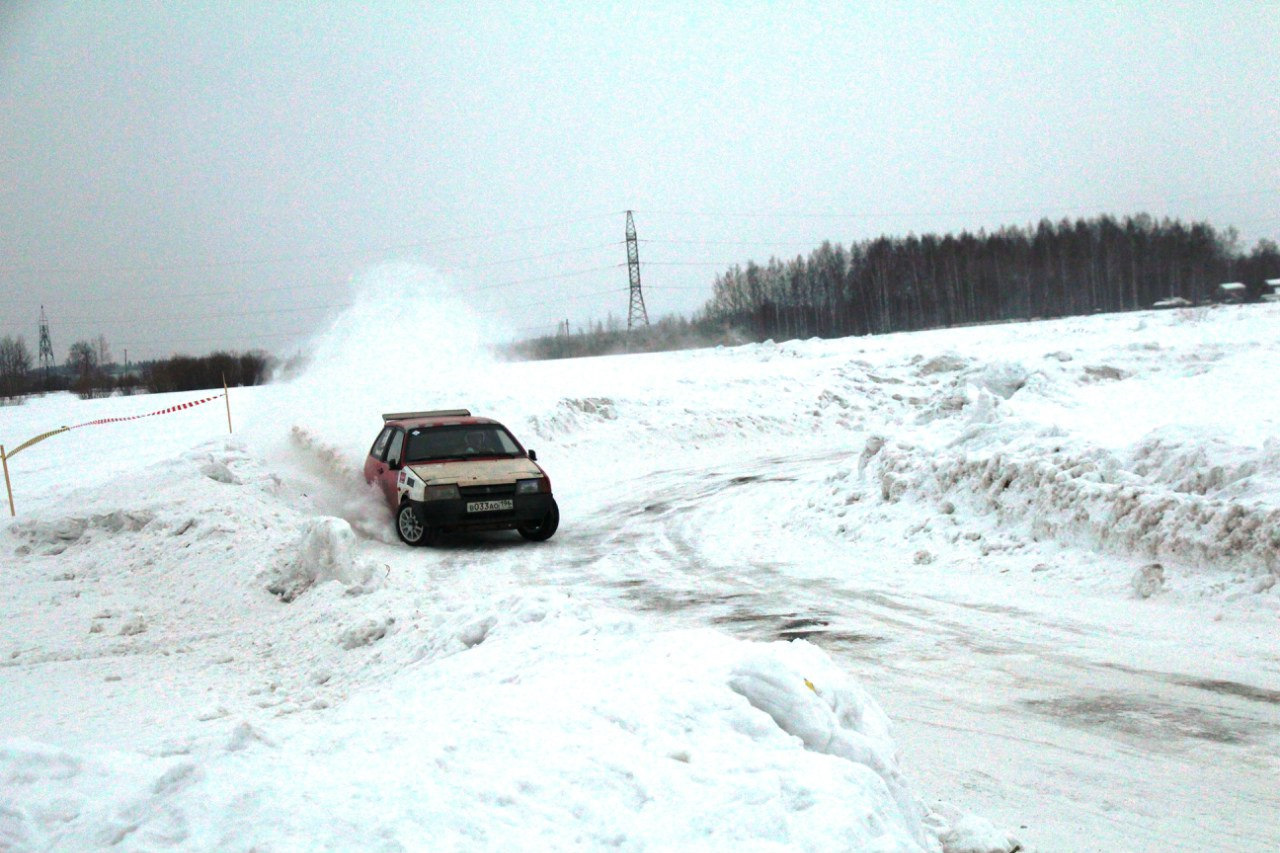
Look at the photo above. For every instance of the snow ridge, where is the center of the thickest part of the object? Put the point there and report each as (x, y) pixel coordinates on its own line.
(1081, 498)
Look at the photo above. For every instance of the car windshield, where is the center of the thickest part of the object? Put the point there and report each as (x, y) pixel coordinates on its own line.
(427, 444)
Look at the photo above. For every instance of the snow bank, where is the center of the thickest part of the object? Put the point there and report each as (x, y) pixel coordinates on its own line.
(560, 728)
(1088, 498)
(1149, 451)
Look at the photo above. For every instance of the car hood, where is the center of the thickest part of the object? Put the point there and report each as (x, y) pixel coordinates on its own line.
(476, 472)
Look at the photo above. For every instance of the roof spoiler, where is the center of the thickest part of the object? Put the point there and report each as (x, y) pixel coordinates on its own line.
(439, 413)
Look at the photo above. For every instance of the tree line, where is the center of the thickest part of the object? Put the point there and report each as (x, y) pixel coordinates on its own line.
(909, 283)
(893, 284)
(194, 373)
(672, 332)
(90, 372)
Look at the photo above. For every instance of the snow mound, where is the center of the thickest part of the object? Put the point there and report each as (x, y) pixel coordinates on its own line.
(837, 718)
(54, 537)
(1148, 580)
(1002, 378)
(968, 833)
(945, 363)
(326, 551)
(571, 415)
(579, 731)
(365, 633)
(1198, 462)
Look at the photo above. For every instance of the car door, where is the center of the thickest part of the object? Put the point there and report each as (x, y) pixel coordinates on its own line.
(389, 477)
(374, 464)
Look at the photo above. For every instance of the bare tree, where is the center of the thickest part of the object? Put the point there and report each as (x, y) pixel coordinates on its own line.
(15, 364)
(90, 380)
(82, 359)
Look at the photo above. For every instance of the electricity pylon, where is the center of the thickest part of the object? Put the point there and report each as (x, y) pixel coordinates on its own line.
(636, 312)
(46, 345)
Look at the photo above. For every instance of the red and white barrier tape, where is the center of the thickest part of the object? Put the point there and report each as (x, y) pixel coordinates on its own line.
(5, 456)
(167, 411)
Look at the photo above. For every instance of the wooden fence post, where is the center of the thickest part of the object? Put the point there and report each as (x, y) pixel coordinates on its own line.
(8, 488)
(227, 397)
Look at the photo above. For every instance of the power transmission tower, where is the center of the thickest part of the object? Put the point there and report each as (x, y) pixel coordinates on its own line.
(46, 345)
(636, 313)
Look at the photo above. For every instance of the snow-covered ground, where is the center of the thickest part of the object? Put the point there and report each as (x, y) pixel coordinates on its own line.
(1048, 551)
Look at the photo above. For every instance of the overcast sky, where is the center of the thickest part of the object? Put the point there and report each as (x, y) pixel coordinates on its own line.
(188, 176)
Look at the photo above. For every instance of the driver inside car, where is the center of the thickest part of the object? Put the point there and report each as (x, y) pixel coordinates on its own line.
(478, 443)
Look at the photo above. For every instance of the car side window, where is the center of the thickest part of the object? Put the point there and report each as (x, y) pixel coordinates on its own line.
(380, 444)
(394, 455)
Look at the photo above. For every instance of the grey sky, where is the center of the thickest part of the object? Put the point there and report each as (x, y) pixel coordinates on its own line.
(171, 173)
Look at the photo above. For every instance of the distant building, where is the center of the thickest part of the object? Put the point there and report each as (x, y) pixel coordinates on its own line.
(1233, 291)
(1172, 302)
(1271, 290)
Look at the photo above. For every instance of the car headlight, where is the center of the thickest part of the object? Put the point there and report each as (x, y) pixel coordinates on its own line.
(442, 493)
(528, 487)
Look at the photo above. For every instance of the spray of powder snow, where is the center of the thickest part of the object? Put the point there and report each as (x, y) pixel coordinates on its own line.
(407, 343)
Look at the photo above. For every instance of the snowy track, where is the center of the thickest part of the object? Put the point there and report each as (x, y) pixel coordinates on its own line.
(1038, 714)
(966, 522)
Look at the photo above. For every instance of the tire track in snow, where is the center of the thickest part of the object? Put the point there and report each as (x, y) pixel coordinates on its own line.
(1039, 683)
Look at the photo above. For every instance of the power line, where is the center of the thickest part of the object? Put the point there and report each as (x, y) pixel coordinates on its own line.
(570, 274)
(238, 291)
(693, 263)
(194, 318)
(729, 242)
(293, 258)
(481, 288)
(612, 243)
(505, 307)
(835, 214)
(463, 238)
(505, 310)
(331, 283)
(312, 331)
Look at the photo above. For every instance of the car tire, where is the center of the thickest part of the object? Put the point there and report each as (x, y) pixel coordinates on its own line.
(541, 531)
(410, 526)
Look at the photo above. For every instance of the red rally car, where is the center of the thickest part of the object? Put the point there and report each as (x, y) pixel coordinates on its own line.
(448, 470)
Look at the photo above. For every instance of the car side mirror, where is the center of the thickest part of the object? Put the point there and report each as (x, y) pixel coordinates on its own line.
(533, 456)
(394, 464)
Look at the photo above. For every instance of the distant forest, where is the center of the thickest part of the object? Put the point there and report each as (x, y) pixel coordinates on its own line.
(894, 284)
(89, 371)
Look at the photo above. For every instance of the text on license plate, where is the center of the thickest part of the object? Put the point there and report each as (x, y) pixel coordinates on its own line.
(489, 506)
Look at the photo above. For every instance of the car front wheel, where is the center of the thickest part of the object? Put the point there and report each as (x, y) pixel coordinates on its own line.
(541, 531)
(409, 524)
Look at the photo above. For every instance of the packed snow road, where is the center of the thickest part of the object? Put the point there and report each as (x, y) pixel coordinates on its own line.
(1042, 710)
(1049, 551)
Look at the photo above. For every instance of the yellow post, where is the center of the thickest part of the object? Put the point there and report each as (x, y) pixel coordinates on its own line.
(227, 397)
(5, 461)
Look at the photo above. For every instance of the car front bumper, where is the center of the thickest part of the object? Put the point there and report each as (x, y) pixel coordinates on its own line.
(453, 514)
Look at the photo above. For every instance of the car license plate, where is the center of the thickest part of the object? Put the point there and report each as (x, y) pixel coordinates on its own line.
(490, 506)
